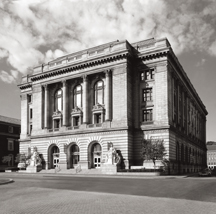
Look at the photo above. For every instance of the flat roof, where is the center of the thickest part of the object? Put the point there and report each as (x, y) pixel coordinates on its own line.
(10, 120)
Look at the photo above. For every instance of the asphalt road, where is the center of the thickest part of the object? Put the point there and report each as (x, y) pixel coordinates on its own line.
(44, 194)
(198, 189)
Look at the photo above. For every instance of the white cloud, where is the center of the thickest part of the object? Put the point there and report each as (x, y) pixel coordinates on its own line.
(200, 63)
(3, 53)
(8, 78)
(70, 25)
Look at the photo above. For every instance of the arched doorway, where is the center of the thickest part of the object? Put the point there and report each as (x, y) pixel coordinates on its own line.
(53, 155)
(73, 156)
(96, 155)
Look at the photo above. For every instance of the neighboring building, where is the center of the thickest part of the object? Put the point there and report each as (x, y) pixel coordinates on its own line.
(9, 140)
(211, 154)
(117, 92)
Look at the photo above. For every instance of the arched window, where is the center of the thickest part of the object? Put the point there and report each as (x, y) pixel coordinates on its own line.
(77, 96)
(58, 100)
(99, 92)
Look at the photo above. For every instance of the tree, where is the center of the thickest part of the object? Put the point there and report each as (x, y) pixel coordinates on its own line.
(153, 149)
(6, 159)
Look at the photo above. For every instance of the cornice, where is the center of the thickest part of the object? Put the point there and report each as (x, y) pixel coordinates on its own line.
(25, 85)
(153, 54)
(78, 66)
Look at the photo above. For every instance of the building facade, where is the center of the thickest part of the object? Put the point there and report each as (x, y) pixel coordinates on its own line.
(9, 140)
(117, 92)
(211, 155)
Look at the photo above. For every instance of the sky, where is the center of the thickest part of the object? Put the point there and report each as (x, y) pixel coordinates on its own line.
(33, 32)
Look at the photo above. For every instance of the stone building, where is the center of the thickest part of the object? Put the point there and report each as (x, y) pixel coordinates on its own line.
(116, 92)
(9, 136)
(211, 155)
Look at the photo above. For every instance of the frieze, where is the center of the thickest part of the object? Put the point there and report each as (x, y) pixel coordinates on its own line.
(156, 131)
(37, 88)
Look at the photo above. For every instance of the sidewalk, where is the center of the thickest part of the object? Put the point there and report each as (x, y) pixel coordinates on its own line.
(45, 173)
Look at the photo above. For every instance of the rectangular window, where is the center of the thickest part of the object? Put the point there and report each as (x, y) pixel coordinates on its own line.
(147, 115)
(30, 113)
(148, 74)
(98, 118)
(10, 129)
(29, 98)
(10, 145)
(76, 121)
(147, 94)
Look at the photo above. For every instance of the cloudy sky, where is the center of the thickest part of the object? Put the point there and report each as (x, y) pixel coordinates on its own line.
(36, 31)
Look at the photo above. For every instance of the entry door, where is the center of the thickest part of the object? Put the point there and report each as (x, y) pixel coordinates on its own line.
(97, 161)
(55, 160)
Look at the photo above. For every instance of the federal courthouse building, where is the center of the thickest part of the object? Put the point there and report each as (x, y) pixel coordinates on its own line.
(118, 92)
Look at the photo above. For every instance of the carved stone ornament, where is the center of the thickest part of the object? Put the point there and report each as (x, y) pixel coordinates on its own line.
(112, 157)
(35, 158)
(76, 110)
(98, 106)
(57, 113)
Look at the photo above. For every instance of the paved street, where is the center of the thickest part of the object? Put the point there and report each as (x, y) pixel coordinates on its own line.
(74, 194)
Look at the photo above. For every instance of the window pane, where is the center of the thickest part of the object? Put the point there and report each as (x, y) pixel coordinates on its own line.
(99, 96)
(78, 100)
(99, 84)
(59, 107)
(78, 88)
(59, 92)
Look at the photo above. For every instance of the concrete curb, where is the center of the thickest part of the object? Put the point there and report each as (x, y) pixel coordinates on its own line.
(6, 181)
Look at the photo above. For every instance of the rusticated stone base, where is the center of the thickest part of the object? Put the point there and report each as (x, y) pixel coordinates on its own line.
(108, 169)
(33, 169)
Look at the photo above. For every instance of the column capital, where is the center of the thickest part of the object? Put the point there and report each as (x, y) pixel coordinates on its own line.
(64, 82)
(45, 86)
(108, 72)
(85, 78)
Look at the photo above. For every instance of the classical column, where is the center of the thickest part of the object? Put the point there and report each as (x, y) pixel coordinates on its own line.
(46, 104)
(64, 90)
(85, 99)
(108, 95)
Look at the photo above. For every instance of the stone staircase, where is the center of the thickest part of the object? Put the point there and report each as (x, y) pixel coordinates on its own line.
(72, 171)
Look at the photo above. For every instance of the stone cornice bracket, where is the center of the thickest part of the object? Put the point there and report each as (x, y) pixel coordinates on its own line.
(25, 86)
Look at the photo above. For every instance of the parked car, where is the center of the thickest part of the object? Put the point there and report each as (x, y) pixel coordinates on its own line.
(205, 172)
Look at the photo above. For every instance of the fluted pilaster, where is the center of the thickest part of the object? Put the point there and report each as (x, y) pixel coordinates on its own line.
(85, 99)
(64, 90)
(46, 106)
(108, 96)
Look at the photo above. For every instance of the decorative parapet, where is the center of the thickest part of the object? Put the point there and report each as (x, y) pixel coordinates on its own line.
(85, 55)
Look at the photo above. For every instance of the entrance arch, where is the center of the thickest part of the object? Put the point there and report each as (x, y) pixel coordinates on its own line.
(95, 155)
(73, 155)
(53, 156)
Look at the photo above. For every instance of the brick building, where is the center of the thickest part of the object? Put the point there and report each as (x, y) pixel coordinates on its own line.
(9, 136)
(117, 92)
(211, 155)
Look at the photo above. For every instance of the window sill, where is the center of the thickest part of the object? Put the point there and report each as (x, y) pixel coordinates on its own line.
(147, 123)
